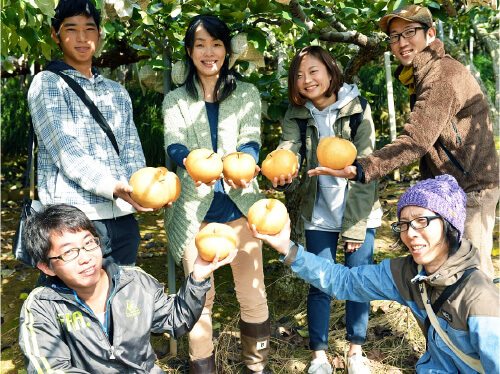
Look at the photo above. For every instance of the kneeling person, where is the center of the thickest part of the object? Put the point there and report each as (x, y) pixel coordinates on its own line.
(91, 315)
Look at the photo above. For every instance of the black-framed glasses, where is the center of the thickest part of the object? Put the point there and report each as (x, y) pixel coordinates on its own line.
(90, 245)
(407, 34)
(418, 223)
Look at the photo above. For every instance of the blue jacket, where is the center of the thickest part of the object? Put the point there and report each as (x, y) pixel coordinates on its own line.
(472, 312)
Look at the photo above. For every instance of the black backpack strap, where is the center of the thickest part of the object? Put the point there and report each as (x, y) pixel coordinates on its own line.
(302, 123)
(447, 292)
(31, 144)
(96, 113)
(356, 119)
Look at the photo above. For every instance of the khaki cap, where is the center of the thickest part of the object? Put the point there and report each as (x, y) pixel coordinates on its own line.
(413, 13)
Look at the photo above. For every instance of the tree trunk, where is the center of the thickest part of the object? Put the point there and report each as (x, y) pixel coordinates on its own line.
(490, 43)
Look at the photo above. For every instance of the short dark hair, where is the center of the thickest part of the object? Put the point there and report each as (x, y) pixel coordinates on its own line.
(71, 8)
(331, 66)
(218, 30)
(55, 219)
(452, 235)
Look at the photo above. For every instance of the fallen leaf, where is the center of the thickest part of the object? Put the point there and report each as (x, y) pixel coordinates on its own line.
(303, 333)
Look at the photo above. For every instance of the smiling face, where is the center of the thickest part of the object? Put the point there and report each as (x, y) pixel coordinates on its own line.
(428, 246)
(313, 81)
(78, 38)
(208, 54)
(405, 50)
(85, 271)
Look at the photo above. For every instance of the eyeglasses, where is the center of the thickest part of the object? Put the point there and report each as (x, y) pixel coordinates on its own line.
(407, 34)
(90, 245)
(418, 223)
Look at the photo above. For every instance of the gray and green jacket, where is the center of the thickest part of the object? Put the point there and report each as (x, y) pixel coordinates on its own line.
(60, 334)
(361, 201)
(186, 123)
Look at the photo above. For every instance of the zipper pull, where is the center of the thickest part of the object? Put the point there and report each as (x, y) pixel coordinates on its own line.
(112, 357)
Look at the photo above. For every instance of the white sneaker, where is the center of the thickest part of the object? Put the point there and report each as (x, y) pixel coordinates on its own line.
(358, 364)
(320, 365)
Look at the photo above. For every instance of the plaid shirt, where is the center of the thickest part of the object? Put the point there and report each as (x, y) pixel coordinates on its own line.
(77, 163)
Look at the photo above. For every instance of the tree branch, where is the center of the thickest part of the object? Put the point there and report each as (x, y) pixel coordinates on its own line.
(298, 12)
(449, 8)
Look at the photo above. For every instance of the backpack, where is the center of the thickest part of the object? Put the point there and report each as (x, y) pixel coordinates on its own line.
(354, 122)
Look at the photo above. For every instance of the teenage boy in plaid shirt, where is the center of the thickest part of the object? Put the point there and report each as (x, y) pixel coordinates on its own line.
(77, 163)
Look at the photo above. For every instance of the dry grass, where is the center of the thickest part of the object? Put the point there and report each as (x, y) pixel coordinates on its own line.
(394, 339)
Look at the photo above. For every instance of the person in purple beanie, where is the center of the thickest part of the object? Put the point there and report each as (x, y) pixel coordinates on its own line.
(460, 317)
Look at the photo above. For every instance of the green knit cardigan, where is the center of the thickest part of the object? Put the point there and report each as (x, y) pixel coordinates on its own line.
(186, 122)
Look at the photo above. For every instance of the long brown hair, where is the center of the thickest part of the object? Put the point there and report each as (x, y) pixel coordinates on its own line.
(331, 66)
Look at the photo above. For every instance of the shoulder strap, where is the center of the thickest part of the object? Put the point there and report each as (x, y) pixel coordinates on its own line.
(31, 164)
(302, 123)
(96, 113)
(470, 361)
(356, 119)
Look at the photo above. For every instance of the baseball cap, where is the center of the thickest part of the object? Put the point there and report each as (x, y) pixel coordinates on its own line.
(412, 13)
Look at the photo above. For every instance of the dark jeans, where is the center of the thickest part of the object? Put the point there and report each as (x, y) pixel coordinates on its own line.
(324, 244)
(120, 239)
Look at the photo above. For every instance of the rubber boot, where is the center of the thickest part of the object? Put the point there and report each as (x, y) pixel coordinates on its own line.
(255, 343)
(203, 365)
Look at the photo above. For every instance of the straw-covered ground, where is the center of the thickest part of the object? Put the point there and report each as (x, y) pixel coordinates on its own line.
(394, 339)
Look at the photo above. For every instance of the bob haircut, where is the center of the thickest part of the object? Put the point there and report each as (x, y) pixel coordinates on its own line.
(218, 30)
(54, 220)
(72, 8)
(331, 66)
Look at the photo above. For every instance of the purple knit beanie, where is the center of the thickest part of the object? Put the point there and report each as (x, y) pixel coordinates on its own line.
(442, 195)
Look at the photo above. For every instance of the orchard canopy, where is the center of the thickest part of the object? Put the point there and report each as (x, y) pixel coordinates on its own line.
(150, 33)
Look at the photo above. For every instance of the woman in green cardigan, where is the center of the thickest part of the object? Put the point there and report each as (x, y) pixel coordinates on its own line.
(214, 111)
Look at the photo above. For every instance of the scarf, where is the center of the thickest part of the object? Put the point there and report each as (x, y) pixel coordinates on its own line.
(406, 77)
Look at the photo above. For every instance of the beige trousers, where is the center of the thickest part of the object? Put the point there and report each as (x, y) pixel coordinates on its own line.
(249, 287)
(479, 223)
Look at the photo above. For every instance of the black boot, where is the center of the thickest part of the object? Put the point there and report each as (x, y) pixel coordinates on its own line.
(255, 340)
(203, 365)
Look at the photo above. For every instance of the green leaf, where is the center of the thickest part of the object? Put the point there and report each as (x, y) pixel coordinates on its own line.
(267, 79)
(286, 15)
(108, 27)
(301, 24)
(303, 333)
(216, 325)
(275, 111)
(29, 35)
(176, 11)
(257, 37)
(139, 47)
(10, 17)
(238, 16)
(348, 11)
(433, 4)
(155, 8)
(137, 32)
(304, 41)
(9, 68)
(46, 51)
(148, 20)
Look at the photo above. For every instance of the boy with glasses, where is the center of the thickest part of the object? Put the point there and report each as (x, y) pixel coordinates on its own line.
(448, 130)
(90, 315)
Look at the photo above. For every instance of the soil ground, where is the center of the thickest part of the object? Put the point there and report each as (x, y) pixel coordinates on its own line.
(394, 340)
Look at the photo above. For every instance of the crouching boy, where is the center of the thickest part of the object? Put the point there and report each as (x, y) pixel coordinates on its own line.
(91, 315)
